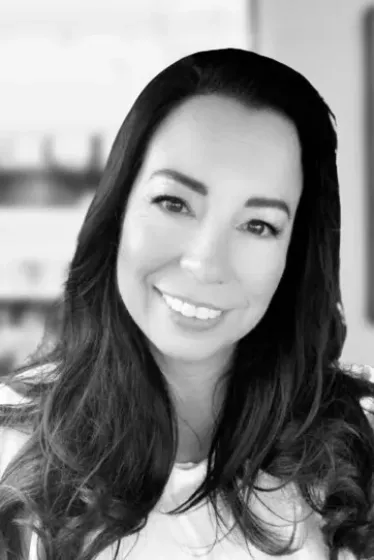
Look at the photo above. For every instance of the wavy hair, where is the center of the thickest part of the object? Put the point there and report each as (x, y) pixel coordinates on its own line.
(101, 423)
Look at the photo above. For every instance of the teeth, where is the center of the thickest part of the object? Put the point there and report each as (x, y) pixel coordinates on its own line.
(189, 310)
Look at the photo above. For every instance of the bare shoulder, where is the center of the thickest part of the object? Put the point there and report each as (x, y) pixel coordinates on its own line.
(11, 442)
(11, 439)
(9, 396)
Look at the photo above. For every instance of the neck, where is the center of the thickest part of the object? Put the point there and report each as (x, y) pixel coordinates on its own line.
(198, 393)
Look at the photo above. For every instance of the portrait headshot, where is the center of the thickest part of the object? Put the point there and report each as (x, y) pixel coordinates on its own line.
(195, 402)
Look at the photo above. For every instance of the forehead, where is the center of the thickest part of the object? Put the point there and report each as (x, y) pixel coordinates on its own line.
(214, 137)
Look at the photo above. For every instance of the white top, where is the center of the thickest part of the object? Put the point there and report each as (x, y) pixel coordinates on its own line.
(182, 537)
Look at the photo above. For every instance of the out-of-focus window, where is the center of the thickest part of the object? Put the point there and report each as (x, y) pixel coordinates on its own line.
(70, 72)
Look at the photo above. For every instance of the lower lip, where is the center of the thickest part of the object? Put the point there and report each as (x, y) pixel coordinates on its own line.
(192, 323)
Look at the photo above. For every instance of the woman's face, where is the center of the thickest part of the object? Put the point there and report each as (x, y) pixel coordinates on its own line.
(208, 225)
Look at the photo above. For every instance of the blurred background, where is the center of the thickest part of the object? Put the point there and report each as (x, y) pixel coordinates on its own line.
(70, 71)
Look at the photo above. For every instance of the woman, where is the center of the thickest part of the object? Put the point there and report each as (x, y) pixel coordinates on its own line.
(194, 403)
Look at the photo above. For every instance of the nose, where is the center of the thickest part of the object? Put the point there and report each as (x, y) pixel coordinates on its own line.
(207, 259)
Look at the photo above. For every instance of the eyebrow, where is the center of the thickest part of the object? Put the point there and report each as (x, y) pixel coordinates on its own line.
(201, 188)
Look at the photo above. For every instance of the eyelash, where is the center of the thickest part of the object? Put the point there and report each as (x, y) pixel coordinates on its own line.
(161, 199)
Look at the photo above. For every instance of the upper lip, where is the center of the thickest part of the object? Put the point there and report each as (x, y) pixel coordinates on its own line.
(193, 301)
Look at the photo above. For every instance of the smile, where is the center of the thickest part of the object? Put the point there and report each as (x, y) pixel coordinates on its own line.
(189, 310)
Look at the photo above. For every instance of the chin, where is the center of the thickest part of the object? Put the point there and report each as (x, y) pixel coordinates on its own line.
(190, 352)
(185, 354)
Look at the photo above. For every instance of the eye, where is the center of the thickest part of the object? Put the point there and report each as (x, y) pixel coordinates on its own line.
(172, 204)
(261, 229)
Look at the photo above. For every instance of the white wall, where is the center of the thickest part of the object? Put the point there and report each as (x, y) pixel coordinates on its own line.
(69, 69)
(76, 67)
(323, 40)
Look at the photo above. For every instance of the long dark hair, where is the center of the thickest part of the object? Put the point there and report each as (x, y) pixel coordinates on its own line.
(102, 426)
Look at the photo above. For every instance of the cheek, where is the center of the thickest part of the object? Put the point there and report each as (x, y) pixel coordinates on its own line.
(262, 273)
(145, 245)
